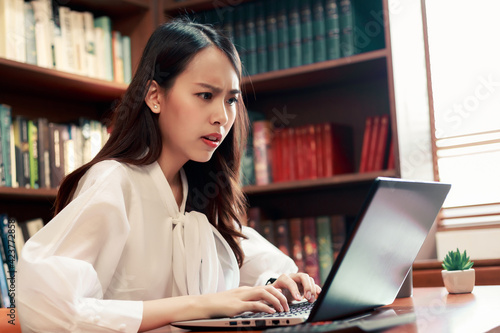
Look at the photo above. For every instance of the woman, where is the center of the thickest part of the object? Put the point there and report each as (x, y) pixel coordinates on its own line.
(134, 247)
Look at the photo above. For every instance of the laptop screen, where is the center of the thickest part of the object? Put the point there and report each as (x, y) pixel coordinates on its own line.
(388, 234)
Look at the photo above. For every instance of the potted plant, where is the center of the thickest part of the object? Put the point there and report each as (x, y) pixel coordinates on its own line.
(458, 275)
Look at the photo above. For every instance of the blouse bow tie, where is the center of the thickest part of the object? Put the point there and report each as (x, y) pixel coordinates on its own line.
(202, 260)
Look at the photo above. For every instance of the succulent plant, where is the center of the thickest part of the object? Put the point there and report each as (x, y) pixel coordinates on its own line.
(455, 261)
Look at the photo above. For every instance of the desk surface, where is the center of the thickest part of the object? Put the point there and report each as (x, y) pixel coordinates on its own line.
(438, 311)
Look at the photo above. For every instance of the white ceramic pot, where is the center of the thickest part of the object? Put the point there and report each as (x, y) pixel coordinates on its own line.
(459, 282)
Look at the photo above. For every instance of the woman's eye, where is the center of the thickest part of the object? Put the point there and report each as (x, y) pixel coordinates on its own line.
(232, 101)
(205, 95)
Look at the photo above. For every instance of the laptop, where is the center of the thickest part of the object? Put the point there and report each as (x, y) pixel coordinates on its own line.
(373, 263)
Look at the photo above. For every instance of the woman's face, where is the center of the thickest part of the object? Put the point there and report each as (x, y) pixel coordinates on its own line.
(196, 114)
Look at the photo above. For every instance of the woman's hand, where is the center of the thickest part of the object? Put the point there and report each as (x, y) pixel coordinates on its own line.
(297, 286)
(235, 301)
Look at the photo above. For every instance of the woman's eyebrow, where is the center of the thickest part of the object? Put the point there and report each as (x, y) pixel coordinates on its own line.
(217, 89)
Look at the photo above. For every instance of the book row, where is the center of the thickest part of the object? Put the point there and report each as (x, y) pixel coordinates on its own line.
(272, 35)
(46, 34)
(36, 153)
(378, 151)
(296, 153)
(312, 242)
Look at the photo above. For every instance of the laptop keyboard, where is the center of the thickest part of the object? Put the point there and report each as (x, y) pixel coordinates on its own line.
(296, 309)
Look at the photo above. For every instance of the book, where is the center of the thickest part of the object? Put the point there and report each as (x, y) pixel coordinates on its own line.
(262, 151)
(21, 144)
(338, 226)
(277, 156)
(365, 148)
(283, 34)
(332, 30)
(78, 40)
(102, 26)
(373, 143)
(43, 152)
(382, 145)
(251, 38)
(29, 30)
(253, 217)
(90, 43)
(294, 33)
(239, 33)
(272, 36)
(325, 246)
(66, 57)
(267, 228)
(319, 30)
(282, 236)
(127, 59)
(117, 49)
(33, 154)
(306, 34)
(337, 149)
(5, 128)
(311, 259)
(42, 11)
(346, 24)
(296, 245)
(56, 153)
(33, 226)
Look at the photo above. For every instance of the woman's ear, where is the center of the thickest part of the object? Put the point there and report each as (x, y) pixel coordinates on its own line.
(153, 96)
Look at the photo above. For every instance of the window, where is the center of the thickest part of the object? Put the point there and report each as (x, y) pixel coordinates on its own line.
(464, 57)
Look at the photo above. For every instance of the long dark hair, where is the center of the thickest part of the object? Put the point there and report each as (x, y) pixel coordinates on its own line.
(214, 187)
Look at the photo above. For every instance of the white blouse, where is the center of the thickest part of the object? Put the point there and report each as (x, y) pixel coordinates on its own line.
(124, 240)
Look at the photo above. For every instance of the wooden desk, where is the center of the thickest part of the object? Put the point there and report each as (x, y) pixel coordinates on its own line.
(436, 312)
(439, 312)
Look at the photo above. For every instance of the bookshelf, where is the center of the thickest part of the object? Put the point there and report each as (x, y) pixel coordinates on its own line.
(391, 80)
(344, 90)
(62, 97)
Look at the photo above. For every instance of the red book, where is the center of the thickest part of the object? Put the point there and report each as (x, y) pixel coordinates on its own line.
(281, 234)
(311, 249)
(318, 133)
(285, 154)
(381, 145)
(253, 217)
(311, 163)
(337, 149)
(262, 152)
(277, 156)
(373, 143)
(363, 165)
(297, 247)
(292, 151)
(300, 152)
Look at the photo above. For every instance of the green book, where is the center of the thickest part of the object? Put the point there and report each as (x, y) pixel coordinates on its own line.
(306, 28)
(29, 31)
(33, 153)
(325, 246)
(247, 160)
(319, 30)
(272, 36)
(283, 35)
(240, 35)
(127, 59)
(332, 30)
(260, 29)
(43, 153)
(294, 33)
(251, 38)
(360, 27)
(5, 124)
(104, 23)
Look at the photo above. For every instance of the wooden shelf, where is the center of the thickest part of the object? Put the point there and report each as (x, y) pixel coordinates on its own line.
(27, 194)
(112, 8)
(342, 70)
(45, 81)
(198, 5)
(312, 184)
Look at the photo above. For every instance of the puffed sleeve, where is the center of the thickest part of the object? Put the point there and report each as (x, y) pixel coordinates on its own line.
(64, 268)
(263, 260)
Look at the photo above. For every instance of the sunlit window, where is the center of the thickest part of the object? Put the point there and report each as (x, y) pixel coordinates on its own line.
(464, 50)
